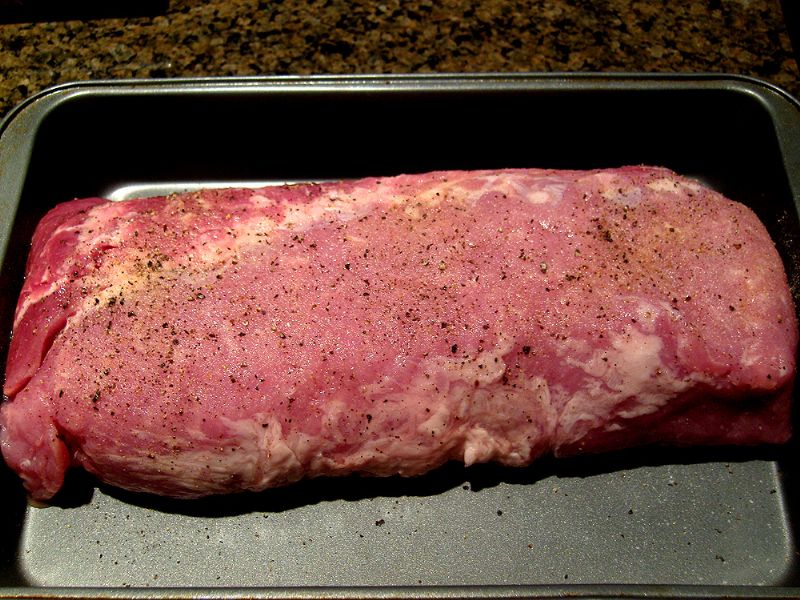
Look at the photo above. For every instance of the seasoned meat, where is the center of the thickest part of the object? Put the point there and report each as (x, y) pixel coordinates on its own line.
(228, 340)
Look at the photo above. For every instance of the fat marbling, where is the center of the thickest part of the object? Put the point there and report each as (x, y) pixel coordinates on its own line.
(226, 340)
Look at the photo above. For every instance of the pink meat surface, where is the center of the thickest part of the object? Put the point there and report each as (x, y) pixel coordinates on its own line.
(229, 340)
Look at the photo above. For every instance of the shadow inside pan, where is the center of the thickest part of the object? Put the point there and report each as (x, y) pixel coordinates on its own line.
(80, 486)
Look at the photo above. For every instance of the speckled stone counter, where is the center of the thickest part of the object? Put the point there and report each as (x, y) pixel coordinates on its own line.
(250, 37)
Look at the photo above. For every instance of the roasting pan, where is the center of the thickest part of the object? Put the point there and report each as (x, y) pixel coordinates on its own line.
(647, 523)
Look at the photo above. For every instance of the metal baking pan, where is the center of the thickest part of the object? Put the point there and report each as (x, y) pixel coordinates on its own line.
(654, 523)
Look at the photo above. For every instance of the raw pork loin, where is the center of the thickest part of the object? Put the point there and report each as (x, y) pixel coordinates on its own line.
(219, 341)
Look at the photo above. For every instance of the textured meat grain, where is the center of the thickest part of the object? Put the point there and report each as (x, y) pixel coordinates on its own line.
(232, 340)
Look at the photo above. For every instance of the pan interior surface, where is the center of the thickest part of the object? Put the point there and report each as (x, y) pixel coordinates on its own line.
(650, 525)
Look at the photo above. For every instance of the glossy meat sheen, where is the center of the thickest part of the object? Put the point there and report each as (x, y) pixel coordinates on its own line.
(232, 340)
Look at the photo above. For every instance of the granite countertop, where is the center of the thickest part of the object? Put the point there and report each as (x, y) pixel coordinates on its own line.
(251, 37)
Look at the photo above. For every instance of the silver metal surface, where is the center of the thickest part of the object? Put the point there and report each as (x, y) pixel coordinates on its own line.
(659, 523)
(149, 190)
(713, 524)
